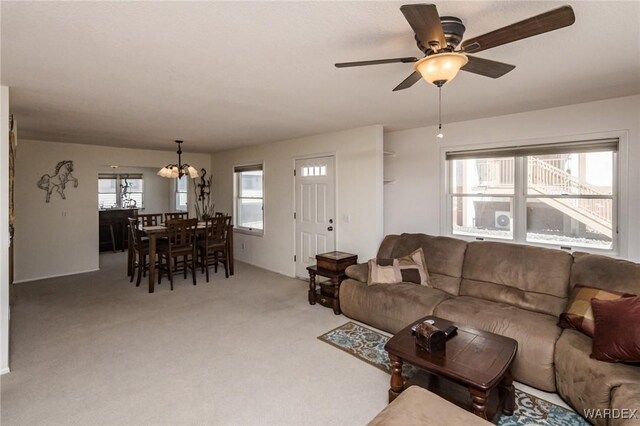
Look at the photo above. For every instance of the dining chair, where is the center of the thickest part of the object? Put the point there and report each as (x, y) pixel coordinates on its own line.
(151, 219)
(174, 216)
(140, 252)
(182, 243)
(214, 244)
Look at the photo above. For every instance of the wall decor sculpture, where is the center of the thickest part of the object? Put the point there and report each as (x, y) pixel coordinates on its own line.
(127, 201)
(203, 204)
(59, 180)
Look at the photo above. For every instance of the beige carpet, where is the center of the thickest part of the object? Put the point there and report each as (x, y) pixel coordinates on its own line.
(94, 349)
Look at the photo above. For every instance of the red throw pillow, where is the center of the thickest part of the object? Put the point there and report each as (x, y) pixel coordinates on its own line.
(617, 329)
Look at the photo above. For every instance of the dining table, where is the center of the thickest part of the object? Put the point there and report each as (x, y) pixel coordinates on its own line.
(161, 231)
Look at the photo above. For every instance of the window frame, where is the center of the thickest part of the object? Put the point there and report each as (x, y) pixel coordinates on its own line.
(177, 193)
(619, 197)
(236, 171)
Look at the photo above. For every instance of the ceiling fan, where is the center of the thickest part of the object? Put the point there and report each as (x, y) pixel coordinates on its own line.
(438, 37)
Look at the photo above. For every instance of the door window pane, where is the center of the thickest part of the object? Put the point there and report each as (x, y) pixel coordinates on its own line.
(483, 216)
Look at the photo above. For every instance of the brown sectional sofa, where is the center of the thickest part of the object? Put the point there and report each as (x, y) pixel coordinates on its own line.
(513, 290)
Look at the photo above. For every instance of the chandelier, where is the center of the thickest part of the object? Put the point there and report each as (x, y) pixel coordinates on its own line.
(178, 170)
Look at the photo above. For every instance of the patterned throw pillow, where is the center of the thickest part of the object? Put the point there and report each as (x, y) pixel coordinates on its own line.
(579, 314)
(411, 269)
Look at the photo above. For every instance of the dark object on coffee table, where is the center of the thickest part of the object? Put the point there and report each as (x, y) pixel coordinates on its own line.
(430, 338)
(474, 372)
(452, 330)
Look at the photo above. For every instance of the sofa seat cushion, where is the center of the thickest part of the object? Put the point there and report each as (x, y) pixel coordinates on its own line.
(585, 382)
(389, 307)
(418, 407)
(535, 333)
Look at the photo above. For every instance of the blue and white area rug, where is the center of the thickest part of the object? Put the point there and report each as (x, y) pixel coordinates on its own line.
(368, 345)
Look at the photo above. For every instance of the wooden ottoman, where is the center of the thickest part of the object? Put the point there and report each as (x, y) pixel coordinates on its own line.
(419, 407)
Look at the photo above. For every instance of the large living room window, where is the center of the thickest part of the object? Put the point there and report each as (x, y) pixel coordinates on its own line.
(249, 198)
(555, 194)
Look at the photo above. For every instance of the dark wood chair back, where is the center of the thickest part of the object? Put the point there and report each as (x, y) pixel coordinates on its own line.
(135, 235)
(153, 219)
(217, 230)
(218, 214)
(173, 216)
(182, 233)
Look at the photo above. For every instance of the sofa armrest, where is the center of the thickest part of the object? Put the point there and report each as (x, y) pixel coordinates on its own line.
(625, 402)
(359, 272)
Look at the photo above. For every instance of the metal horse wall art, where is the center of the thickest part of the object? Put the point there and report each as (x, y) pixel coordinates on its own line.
(59, 179)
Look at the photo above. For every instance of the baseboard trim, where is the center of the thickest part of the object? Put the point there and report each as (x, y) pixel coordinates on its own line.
(46, 277)
(4, 371)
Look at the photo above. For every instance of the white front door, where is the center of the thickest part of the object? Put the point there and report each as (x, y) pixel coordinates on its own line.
(314, 210)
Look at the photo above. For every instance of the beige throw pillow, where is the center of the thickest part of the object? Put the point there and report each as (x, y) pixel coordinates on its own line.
(411, 268)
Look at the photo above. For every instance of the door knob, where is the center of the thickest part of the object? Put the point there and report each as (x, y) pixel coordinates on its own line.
(330, 228)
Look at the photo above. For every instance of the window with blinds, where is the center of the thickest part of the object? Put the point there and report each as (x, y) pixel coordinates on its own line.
(181, 194)
(557, 194)
(249, 198)
(120, 190)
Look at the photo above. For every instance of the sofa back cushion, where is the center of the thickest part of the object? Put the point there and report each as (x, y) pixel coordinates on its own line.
(604, 272)
(444, 257)
(532, 278)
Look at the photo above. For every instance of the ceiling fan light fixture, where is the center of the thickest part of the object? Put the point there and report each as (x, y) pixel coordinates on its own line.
(440, 68)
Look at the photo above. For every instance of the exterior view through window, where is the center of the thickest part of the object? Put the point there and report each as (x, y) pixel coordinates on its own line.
(563, 195)
(249, 202)
(181, 194)
(120, 191)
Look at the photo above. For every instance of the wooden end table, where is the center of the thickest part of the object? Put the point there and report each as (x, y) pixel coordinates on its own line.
(328, 294)
(474, 366)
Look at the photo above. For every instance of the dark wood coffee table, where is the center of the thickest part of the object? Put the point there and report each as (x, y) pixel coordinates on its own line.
(473, 372)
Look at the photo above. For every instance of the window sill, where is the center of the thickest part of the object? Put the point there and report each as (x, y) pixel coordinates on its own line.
(573, 249)
(247, 231)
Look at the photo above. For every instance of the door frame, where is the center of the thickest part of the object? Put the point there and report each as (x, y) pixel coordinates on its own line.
(294, 239)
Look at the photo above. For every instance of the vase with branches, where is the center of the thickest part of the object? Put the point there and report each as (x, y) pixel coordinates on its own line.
(202, 190)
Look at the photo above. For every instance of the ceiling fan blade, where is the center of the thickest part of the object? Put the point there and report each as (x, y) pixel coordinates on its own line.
(425, 22)
(486, 67)
(545, 22)
(409, 81)
(375, 62)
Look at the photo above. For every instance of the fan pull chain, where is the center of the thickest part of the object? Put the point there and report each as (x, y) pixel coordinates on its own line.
(439, 135)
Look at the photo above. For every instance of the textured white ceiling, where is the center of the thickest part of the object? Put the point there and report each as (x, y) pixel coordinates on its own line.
(221, 75)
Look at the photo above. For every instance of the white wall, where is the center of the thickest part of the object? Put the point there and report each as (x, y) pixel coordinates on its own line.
(61, 237)
(4, 230)
(158, 193)
(413, 202)
(359, 167)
